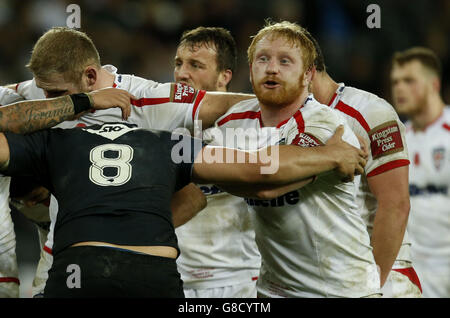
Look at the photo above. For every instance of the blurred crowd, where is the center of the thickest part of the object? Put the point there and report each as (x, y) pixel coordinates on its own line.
(140, 37)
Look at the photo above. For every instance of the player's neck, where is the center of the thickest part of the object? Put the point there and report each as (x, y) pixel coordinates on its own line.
(431, 112)
(324, 88)
(271, 116)
(104, 79)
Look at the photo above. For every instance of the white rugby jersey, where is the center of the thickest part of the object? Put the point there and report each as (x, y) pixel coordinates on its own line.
(7, 96)
(218, 245)
(376, 121)
(313, 241)
(158, 106)
(8, 262)
(179, 102)
(429, 179)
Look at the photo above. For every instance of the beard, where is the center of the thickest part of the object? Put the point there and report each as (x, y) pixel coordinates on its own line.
(283, 95)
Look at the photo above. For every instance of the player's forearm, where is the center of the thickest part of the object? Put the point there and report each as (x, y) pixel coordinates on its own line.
(186, 203)
(264, 192)
(272, 166)
(297, 163)
(28, 116)
(387, 235)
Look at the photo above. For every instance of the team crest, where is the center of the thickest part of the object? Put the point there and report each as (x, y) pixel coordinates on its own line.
(438, 157)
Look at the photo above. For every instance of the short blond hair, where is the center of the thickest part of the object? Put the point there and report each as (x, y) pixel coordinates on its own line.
(293, 33)
(64, 51)
(424, 55)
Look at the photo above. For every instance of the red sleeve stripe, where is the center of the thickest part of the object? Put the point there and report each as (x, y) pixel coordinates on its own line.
(388, 166)
(446, 126)
(10, 280)
(114, 85)
(48, 249)
(411, 274)
(17, 86)
(300, 126)
(199, 98)
(149, 101)
(346, 109)
(244, 115)
(300, 122)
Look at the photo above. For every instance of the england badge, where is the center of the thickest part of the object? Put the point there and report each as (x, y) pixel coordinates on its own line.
(438, 157)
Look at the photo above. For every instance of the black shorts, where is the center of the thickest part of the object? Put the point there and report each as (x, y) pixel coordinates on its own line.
(91, 271)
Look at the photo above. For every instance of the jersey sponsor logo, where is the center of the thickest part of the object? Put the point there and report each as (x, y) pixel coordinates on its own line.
(210, 190)
(428, 189)
(385, 139)
(290, 198)
(111, 131)
(306, 140)
(438, 157)
(182, 93)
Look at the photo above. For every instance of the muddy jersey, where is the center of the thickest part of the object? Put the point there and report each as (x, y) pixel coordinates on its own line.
(376, 121)
(218, 245)
(313, 241)
(9, 272)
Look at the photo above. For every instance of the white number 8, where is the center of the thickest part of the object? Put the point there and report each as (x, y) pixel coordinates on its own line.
(120, 162)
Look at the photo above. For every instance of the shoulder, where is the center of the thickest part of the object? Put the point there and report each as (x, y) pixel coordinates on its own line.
(317, 114)
(367, 108)
(318, 122)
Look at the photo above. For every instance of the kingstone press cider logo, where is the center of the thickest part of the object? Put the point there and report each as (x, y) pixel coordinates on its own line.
(222, 143)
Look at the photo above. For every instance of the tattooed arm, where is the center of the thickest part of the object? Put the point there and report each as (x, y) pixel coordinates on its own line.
(28, 116)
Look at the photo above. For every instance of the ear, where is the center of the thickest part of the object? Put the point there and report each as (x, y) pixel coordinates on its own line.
(308, 76)
(224, 79)
(90, 75)
(314, 73)
(436, 84)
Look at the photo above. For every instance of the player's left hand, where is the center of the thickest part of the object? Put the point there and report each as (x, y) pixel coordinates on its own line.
(363, 145)
(112, 97)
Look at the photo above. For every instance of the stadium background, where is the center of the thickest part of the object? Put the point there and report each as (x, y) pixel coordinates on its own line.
(140, 37)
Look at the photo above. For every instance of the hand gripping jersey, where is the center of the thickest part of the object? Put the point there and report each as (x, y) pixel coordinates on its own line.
(9, 272)
(113, 182)
(313, 242)
(429, 219)
(377, 122)
(159, 106)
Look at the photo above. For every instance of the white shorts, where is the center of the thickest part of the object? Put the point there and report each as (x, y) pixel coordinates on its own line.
(45, 263)
(402, 282)
(245, 290)
(9, 270)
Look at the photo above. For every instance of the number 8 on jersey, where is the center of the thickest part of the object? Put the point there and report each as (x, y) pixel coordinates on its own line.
(115, 157)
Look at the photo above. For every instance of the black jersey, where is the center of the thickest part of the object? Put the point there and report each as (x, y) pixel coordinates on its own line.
(113, 182)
